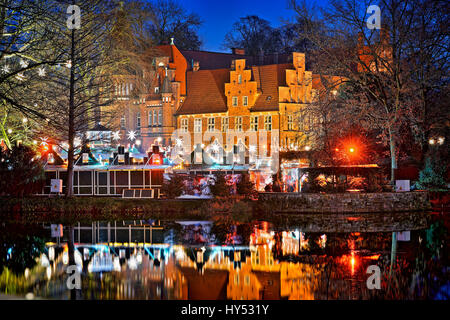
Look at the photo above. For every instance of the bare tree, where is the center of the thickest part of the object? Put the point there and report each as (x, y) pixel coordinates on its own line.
(374, 62)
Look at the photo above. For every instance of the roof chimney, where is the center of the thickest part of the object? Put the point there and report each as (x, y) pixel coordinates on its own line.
(238, 51)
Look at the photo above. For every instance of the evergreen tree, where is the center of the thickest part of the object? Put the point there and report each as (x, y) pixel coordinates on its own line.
(432, 175)
(174, 186)
(220, 187)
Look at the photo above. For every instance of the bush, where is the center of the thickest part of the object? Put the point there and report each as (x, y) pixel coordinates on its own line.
(20, 173)
(432, 175)
(220, 187)
(174, 186)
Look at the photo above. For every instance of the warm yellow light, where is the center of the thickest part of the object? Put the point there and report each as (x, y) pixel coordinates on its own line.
(352, 150)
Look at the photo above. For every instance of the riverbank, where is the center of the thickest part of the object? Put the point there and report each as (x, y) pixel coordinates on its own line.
(86, 209)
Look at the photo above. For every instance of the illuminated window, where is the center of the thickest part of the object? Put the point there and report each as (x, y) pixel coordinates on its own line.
(254, 123)
(238, 125)
(240, 79)
(150, 118)
(290, 122)
(122, 122)
(156, 90)
(197, 125)
(268, 123)
(155, 117)
(211, 124)
(184, 125)
(225, 125)
(235, 101)
(245, 102)
(160, 118)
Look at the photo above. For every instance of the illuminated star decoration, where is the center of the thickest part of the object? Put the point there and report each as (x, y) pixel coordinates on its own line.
(5, 69)
(23, 63)
(69, 64)
(41, 72)
(116, 135)
(131, 135)
(20, 77)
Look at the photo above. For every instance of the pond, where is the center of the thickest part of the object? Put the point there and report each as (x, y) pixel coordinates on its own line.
(316, 257)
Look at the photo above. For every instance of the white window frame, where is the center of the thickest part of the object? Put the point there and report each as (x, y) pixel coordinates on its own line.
(268, 123)
(234, 101)
(138, 120)
(290, 122)
(211, 124)
(198, 125)
(150, 117)
(254, 123)
(239, 78)
(160, 117)
(225, 124)
(155, 117)
(245, 101)
(184, 124)
(238, 124)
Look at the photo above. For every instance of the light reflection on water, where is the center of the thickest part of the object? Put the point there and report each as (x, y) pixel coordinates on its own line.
(273, 264)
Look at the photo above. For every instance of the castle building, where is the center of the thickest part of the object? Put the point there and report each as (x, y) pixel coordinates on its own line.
(220, 101)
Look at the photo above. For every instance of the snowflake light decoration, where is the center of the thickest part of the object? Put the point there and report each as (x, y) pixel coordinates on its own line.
(131, 135)
(41, 72)
(23, 63)
(116, 135)
(5, 69)
(20, 77)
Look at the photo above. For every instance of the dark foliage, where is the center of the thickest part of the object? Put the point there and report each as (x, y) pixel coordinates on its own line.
(21, 173)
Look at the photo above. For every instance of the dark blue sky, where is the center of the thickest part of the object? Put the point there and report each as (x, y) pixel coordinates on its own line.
(219, 15)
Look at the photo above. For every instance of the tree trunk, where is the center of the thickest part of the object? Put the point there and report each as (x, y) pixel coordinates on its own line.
(393, 150)
(71, 153)
(73, 292)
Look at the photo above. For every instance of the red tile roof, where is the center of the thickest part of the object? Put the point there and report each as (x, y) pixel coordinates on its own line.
(206, 92)
(268, 79)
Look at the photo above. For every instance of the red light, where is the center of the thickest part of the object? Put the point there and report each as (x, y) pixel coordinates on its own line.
(156, 159)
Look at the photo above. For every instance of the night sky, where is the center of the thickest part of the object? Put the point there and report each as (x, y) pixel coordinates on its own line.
(219, 15)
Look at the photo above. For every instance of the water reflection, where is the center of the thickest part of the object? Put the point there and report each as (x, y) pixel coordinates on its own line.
(273, 263)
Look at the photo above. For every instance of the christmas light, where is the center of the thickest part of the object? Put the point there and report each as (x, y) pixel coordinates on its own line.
(138, 142)
(69, 64)
(116, 135)
(9, 131)
(41, 72)
(131, 135)
(24, 120)
(441, 140)
(307, 148)
(20, 77)
(5, 69)
(23, 63)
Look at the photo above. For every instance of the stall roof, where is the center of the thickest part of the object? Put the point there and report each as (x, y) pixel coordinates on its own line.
(108, 167)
